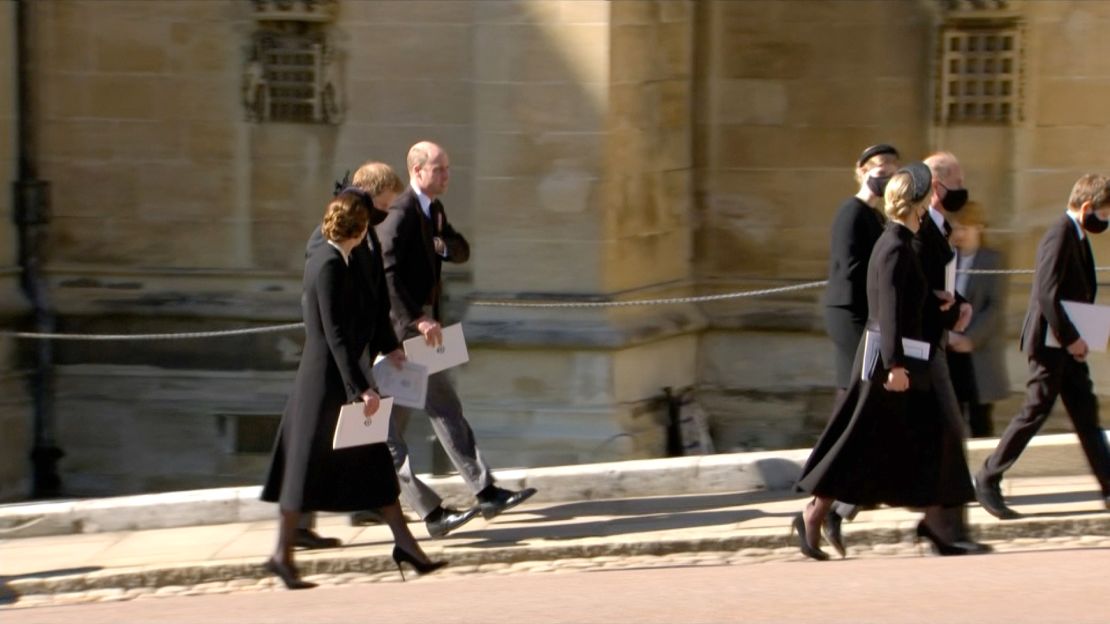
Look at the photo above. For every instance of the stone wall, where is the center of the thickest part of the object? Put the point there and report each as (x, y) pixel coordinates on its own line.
(15, 412)
(601, 150)
(585, 167)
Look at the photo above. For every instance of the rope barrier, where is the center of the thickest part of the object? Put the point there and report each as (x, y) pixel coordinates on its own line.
(176, 336)
(496, 303)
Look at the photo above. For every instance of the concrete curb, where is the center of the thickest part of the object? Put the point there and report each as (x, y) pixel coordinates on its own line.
(1052, 455)
(217, 571)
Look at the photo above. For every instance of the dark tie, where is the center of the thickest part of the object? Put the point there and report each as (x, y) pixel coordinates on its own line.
(435, 211)
(947, 229)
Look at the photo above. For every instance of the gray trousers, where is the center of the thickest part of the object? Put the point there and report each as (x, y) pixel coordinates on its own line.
(446, 416)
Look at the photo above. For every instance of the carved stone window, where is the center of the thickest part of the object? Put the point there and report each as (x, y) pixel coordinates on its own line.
(291, 74)
(980, 79)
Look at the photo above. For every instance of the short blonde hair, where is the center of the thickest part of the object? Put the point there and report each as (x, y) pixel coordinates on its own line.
(1091, 187)
(376, 178)
(898, 200)
(346, 217)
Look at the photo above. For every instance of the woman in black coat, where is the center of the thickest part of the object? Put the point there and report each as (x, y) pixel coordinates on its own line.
(882, 445)
(306, 474)
(855, 228)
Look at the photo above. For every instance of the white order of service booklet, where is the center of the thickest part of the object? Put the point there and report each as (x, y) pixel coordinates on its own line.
(1092, 321)
(451, 352)
(356, 429)
(407, 386)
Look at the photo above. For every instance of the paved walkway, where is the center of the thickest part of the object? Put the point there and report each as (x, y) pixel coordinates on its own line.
(741, 527)
(1028, 587)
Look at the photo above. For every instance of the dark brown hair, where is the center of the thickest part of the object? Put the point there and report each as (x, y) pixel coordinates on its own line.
(347, 216)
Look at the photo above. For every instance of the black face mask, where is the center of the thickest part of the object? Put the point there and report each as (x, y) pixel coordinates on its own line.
(954, 199)
(377, 216)
(1094, 225)
(877, 184)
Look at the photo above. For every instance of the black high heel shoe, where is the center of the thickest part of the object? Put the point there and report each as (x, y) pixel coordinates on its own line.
(831, 530)
(799, 527)
(287, 575)
(403, 556)
(940, 546)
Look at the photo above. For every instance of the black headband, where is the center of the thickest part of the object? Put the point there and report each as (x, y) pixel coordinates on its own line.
(922, 180)
(875, 150)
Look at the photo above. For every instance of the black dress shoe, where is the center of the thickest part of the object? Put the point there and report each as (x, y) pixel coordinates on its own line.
(831, 529)
(446, 519)
(494, 500)
(940, 547)
(308, 539)
(990, 497)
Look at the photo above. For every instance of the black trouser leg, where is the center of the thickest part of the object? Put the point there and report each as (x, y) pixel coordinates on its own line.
(1045, 374)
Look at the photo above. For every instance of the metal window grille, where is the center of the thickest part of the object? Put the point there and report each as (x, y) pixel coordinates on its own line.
(291, 65)
(980, 77)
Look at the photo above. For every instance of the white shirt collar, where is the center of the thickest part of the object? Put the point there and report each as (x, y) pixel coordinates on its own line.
(937, 217)
(1078, 227)
(346, 258)
(425, 201)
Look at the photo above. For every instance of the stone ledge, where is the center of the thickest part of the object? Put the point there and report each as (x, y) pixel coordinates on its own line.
(1050, 455)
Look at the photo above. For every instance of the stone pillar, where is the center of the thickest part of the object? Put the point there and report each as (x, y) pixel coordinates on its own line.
(582, 193)
(15, 410)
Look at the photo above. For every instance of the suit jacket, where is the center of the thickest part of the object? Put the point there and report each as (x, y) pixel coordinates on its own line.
(372, 296)
(855, 229)
(931, 245)
(412, 267)
(987, 331)
(1065, 271)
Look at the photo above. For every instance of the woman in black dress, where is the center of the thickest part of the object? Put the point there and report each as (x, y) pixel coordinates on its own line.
(855, 228)
(882, 445)
(306, 474)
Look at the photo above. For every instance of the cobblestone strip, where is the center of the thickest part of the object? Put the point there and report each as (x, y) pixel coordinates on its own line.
(743, 556)
(1018, 535)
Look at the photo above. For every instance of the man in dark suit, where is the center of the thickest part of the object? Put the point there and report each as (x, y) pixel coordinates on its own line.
(417, 239)
(1065, 271)
(935, 252)
(379, 181)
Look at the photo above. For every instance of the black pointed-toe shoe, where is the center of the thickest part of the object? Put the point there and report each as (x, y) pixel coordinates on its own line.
(497, 500)
(446, 519)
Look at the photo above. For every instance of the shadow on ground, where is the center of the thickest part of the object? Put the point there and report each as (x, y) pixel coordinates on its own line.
(638, 515)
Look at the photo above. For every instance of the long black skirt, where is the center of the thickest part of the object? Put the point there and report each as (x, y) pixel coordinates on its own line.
(893, 448)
